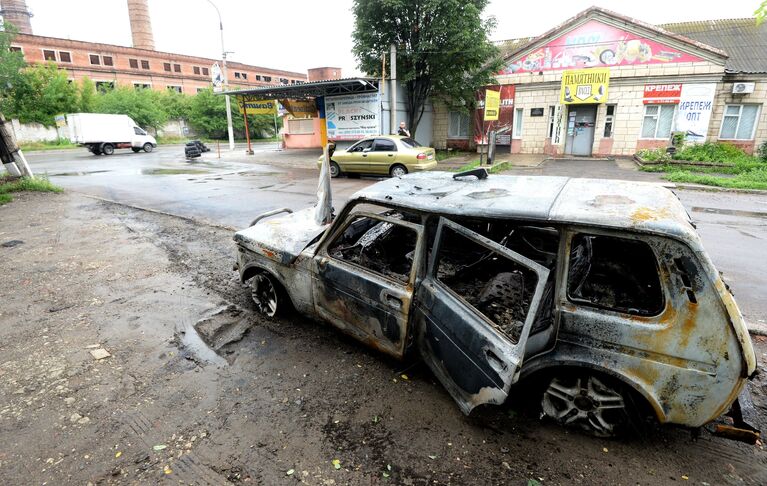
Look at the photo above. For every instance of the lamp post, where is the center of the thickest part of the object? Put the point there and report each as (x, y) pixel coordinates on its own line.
(226, 80)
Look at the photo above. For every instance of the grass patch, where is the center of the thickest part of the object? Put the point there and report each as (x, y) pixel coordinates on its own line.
(38, 184)
(442, 154)
(755, 179)
(493, 169)
(61, 143)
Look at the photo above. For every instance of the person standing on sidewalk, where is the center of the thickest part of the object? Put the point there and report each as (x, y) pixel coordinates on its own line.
(403, 131)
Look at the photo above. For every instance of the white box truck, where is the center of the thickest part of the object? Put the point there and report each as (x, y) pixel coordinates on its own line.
(103, 133)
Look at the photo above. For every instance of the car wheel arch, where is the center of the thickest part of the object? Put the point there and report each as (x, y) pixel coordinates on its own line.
(547, 368)
(252, 270)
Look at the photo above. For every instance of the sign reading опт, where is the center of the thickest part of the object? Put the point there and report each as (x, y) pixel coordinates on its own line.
(352, 117)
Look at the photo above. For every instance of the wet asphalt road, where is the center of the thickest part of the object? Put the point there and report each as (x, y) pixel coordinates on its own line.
(235, 188)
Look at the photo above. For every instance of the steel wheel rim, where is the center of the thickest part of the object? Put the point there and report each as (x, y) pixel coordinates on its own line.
(398, 172)
(334, 170)
(587, 402)
(264, 295)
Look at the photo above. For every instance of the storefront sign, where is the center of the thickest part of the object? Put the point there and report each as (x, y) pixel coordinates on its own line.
(505, 115)
(300, 108)
(536, 111)
(595, 44)
(662, 93)
(352, 117)
(584, 86)
(256, 107)
(557, 135)
(492, 104)
(694, 112)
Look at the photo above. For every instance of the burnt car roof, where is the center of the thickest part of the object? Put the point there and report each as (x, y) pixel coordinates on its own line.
(599, 202)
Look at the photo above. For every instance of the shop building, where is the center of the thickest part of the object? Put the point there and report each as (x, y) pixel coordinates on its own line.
(602, 84)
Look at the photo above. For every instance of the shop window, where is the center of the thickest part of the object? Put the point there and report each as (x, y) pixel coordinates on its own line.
(133, 63)
(609, 121)
(166, 66)
(518, 112)
(95, 60)
(205, 71)
(144, 64)
(177, 68)
(301, 126)
(739, 122)
(177, 89)
(552, 112)
(65, 56)
(458, 125)
(614, 273)
(196, 70)
(657, 121)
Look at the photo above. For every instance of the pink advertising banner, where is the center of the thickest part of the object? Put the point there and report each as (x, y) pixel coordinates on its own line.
(595, 44)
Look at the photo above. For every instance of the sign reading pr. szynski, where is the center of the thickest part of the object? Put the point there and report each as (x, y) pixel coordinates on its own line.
(256, 107)
(352, 117)
(584, 86)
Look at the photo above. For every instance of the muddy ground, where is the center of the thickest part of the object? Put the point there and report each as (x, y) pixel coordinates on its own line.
(80, 276)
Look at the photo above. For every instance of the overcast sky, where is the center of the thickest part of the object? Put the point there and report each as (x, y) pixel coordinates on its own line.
(300, 34)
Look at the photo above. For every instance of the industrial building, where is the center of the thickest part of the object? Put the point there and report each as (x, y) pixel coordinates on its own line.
(141, 65)
(603, 84)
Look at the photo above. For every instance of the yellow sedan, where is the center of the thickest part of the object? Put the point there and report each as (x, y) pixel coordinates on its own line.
(385, 154)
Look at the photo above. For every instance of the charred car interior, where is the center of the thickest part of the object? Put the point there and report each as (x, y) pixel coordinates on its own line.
(604, 300)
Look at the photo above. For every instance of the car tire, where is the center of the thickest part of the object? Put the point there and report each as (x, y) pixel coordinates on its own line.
(95, 150)
(598, 404)
(335, 170)
(136, 149)
(107, 149)
(397, 170)
(148, 147)
(267, 294)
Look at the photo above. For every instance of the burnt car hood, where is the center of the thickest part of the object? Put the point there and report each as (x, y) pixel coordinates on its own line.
(281, 239)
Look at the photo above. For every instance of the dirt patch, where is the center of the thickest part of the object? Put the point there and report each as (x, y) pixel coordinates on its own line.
(289, 394)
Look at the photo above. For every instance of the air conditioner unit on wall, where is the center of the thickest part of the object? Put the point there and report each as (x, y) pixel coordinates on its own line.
(743, 88)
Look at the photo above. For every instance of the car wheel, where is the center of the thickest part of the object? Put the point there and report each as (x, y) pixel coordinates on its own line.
(148, 147)
(136, 149)
(107, 149)
(593, 403)
(335, 170)
(397, 170)
(95, 150)
(266, 294)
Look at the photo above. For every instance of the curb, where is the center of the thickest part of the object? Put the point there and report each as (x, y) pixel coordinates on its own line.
(700, 187)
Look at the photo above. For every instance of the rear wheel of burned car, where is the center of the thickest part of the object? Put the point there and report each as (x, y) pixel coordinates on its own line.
(593, 402)
(267, 294)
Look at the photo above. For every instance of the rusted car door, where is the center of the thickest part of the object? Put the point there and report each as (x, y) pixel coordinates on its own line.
(473, 314)
(364, 279)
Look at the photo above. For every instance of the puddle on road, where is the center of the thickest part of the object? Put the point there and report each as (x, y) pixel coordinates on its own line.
(174, 171)
(190, 341)
(80, 173)
(209, 338)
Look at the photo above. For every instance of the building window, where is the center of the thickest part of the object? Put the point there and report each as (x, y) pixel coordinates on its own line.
(15, 49)
(196, 70)
(177, 68)
(244, 75)
(65, 56)
(200, 90)
(237, 75)
(95, 59)
(458, 125)
(144, 64)
(609, 121)
(177, 89)
(138, 86)
(133, 63)
(166, 66)
(108, 61)
(292, 81)
(205, 71)
(739, 122)
(267, 79)
(283, 81)
(49, 55)
(105, 85)
(517, 133)
(657, 121)
(258, 77)
(550, 131)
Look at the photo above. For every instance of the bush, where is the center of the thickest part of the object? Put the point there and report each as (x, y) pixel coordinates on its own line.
(654, 155)
(722, 153)
(762, 151)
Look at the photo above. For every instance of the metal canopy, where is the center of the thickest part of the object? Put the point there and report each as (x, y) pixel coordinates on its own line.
(312, 89)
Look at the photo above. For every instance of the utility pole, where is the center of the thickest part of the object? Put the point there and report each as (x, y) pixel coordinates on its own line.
(226, 80)
(393, 90)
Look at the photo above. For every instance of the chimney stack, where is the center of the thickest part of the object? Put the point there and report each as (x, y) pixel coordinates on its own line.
(140, 24)
(16, 12)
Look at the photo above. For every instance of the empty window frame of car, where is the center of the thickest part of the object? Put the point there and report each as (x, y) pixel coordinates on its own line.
(384, 145)
(618, 274)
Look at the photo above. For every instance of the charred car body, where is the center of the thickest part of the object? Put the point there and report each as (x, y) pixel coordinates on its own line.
(599, 291)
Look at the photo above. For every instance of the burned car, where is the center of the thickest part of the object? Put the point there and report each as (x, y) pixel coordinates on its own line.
(598, 292)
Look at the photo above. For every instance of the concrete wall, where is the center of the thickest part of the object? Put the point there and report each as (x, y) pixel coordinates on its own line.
(35, 132)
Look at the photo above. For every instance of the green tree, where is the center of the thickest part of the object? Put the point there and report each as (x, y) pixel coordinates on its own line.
(443, 48)
(42, 92)
(207, 115)
(143, 105)
(88, 95)
(176, 105)
(11, 64)
(761, 12)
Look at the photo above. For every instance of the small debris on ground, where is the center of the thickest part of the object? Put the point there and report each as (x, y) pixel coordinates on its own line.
(100, 353)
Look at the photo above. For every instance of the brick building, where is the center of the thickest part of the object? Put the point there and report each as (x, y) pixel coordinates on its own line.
(605, 84)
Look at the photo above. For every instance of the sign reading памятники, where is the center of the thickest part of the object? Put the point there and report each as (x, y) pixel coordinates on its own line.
(352, 117)
(584, 86)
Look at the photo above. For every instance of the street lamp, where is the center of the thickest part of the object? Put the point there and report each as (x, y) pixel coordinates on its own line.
(226, 80)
